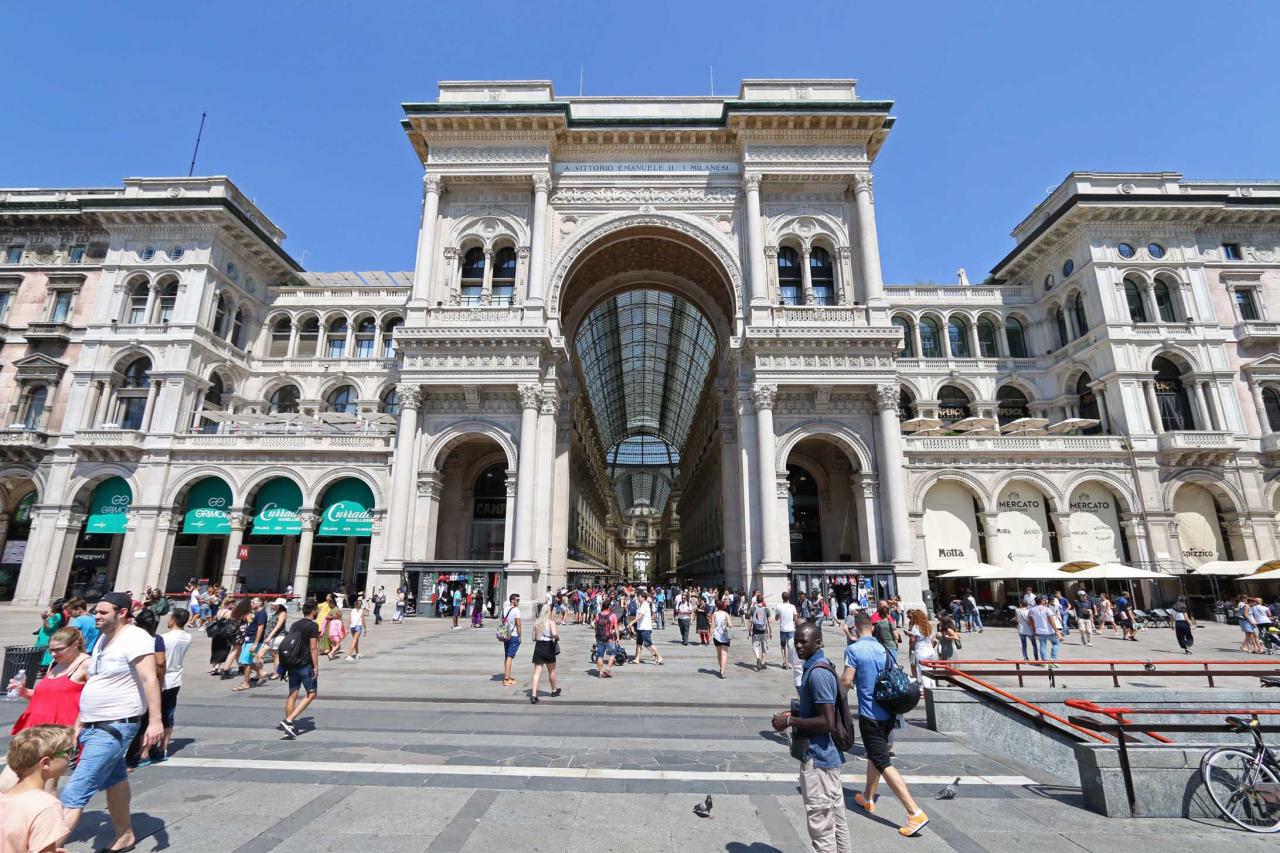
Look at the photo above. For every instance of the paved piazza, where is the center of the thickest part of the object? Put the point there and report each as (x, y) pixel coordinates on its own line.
(418, 747)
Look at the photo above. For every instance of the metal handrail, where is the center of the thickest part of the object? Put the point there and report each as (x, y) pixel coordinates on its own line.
(1179, 668)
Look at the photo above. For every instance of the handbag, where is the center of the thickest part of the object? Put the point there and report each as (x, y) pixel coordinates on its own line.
(894, 689)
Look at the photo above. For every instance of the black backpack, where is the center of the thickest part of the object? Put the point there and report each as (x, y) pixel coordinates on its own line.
(295, 650)
(602, 628)
(894, 690)
(843, 733)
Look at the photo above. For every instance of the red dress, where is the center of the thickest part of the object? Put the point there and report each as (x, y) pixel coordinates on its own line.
(55, 701)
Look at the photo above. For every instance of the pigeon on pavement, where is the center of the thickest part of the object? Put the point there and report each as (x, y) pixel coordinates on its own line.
(703, 809)
(949, 792)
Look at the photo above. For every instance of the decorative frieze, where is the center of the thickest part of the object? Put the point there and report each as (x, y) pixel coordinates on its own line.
(488, 154)
(644, 195)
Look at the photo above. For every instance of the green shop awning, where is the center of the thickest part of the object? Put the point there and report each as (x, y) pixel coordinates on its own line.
(276, 509)
(348, 510)
(109, 507)
(208, 507)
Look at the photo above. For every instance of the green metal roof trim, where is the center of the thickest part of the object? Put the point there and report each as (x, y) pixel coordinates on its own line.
(120, 202)
(563, 108)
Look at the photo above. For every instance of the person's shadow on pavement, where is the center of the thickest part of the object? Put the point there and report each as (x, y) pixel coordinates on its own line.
(95, 827)
(754, 847)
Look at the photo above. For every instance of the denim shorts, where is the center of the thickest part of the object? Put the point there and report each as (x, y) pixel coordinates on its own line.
(303, 677)
(605, 650)
(101, 762)
(512, 645)
(785, 637)
(644, 638)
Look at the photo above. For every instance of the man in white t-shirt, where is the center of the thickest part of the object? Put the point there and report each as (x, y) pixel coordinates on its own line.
(786, 616)
(642, 622)
(176, 642)
(122, 685)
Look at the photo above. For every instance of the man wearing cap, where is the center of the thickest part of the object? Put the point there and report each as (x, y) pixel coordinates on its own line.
(255, 644)
(122, 685)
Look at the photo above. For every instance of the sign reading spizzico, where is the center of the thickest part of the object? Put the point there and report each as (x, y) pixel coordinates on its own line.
(1095, 525)
(1199, 526)
(1022, 528)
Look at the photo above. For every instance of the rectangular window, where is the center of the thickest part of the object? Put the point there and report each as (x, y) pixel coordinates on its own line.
(131, 411)
(75, 255)
(337, 347)
(6, 296)
(364, 347)
(1231, 252)
(62, 306)
(1244, 301)
(13, 255)
(471, 294)
(503, 293)
(822, 295)
(790, 294)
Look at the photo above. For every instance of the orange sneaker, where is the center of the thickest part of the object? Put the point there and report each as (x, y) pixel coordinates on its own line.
(867, 805)
(915, 823)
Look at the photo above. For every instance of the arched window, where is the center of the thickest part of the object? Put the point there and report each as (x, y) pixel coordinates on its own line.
(472, 276)
(822, 276)
(1015, 338)
(213, 394)
(281, 331)
(1271, 400)
(131, 395)
(335, 341)
(389, 404)
(341, 399)
(1081, 318)
(1060, 323)
(930, 339)
(389, 327)
(1088, 406)
(309, 337)
(168, 301)
(284, 400)
(987, 338)
(953, 404)
(1164, 302)
(220, 317)
(1133, 296)
(803, 516)
(489, 513)
(790, 277)
(1011, 405)
(906, 405)
(958, 335)
(1171, 397)
(908, 339)
(137, 311)
(504, 277)
(33, 406)
(366, 331)
(237, 330)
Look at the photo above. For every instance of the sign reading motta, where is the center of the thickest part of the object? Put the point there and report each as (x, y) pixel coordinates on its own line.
(570, 168)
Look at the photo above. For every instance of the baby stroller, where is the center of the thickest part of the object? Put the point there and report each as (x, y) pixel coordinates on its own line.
(1270, 639)
(619, 657)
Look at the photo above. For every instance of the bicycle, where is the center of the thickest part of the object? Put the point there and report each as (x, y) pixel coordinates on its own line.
(1245, 784)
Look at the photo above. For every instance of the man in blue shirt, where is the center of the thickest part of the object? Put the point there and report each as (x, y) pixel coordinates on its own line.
(813, 721)
(864, 661)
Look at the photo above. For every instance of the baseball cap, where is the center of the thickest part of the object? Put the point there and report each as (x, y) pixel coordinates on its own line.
(119, 600)
(279, 602)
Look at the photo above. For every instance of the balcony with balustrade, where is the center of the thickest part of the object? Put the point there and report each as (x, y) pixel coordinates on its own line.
(1184, 447)
(108, 444)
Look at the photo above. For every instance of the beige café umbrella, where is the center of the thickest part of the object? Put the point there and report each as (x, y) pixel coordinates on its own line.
(1269, 570)
(1073, 425)
(1023, 426)
(920, 423)
(973, 424)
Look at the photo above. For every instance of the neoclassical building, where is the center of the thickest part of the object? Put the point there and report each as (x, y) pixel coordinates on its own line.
(643, 338)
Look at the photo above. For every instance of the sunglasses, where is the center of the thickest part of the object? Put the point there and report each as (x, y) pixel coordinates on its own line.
(72, 754)
(57, 650)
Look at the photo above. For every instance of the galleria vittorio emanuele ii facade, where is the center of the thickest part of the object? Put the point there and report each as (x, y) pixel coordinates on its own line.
(643, 338)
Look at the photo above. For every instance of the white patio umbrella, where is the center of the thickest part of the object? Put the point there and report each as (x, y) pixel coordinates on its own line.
(977, 570)
(1120, 572)
(1024, 424)
(917, 424)
(1073, 425)
(1266, 571)
(1232, 568)
(972, 424)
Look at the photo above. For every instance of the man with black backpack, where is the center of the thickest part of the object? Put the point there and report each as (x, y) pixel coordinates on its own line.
(864, 661)
(761, 632)
(821, 727)
(299, 654)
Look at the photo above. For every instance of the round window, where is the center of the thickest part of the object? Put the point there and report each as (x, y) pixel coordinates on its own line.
(176, 253)
(1155, 250)
(148, 253)
(1125, 250)
(1068, 267)
(232, 272)
(1048, 281)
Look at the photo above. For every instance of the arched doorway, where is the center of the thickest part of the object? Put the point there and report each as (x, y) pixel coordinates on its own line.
(340, 555)
(1201, 528)
(1095, 531)
(14, 536)
(489, 514)
(200, 546)
(97, 556)
(1171, 397)
(278, 546)
(804, 518)
(1024, 532)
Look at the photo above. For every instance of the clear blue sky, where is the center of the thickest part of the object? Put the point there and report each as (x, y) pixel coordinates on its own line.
(996, 102)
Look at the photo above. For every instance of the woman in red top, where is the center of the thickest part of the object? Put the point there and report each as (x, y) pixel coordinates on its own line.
(56, 698)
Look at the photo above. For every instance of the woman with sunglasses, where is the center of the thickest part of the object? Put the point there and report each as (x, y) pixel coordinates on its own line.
(56, 697)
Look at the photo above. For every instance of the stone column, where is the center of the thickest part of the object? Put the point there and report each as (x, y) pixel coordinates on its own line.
(1062, 528)
(868, 242)
(1216, 416)
(806, 277)
(1153, 308)
(147, 316)
(152, 392)
(508, 526)
(239, 519)
(772, 558)
(526, 473)
(538, 239)
(294, 328)
(430, 485)
(486, 283)
(755, 240)
(1260, 403)
(104, 403)
(730, 485)
(1202, 407)
(1100, 394)
(893, 497)
(302, 559)
(1153, 407)
(749, 474)
(548, 407)
(865, 490)
(432, 185)
(404, 471)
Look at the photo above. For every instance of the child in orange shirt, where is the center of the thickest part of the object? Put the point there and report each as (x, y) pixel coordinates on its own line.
(31, 819)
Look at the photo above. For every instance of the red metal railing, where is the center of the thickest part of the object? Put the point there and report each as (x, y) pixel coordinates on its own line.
(1113, 669)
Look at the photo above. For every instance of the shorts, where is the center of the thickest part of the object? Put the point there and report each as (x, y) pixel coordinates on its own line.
(1248, 627)
(544, 652)
(785, 637)
(168, 704)
(605, 650)
(724, 643)
(247, 653)
(357, 629)
(875, 739)
(760, 642)
(511, 646)
(644, 638)
(303, 677)
(205, 611)
(101, 762)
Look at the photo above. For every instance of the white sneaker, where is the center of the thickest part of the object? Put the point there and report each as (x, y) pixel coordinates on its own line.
(357, 657)
(349, 657)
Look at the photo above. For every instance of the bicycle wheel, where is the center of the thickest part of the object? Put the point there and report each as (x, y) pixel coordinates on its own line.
(1232, 779)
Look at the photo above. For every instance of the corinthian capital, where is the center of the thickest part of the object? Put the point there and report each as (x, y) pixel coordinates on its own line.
(764, 396)
(409, 395)
(550, 399)
(751, 182)
(862, 183)
(529, 395)
(433, 183)
(887, 396)
(542, 183)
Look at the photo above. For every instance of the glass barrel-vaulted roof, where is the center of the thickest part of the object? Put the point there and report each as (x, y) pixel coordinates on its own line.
(645, 355)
